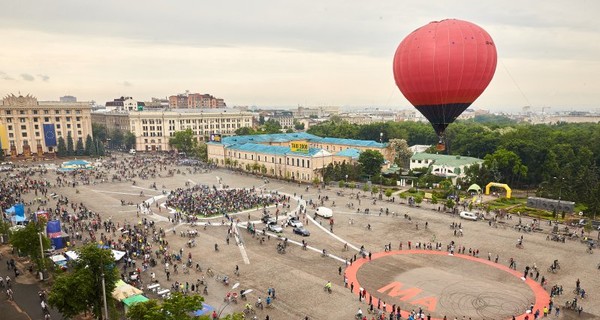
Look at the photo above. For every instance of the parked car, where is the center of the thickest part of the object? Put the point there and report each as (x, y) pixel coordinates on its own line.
(295, 222)
(324, 212)
(274, 227)
(267, 218)
(301, 231)
(468, 215)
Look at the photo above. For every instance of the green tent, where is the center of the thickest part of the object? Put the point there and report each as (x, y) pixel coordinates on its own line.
(135, 299)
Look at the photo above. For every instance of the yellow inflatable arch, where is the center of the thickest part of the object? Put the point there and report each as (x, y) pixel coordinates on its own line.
(501, 185)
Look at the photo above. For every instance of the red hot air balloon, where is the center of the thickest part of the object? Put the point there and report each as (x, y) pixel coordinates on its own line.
(442, 67)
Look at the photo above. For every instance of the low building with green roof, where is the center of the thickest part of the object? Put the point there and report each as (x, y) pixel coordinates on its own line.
(451, 166)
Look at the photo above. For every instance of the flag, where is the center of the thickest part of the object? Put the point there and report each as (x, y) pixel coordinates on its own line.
(49, 135)
(4, 138)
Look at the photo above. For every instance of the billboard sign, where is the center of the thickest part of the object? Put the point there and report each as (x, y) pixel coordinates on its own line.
(215, 137)
(299, 146)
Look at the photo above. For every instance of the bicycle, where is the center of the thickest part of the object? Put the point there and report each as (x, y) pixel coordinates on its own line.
(589, 250)
(210, 273)
(259, 305)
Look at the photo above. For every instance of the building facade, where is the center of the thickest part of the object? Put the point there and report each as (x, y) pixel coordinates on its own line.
(297, 156)
(443, 165)
(29, 127)
(195, 101)
(124, 104)
(153, 129)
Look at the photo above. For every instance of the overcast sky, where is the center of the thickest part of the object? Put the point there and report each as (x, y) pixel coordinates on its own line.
(288, 53)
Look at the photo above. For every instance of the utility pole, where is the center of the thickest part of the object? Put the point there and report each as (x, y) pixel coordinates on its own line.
(42, 256)
(104, 290)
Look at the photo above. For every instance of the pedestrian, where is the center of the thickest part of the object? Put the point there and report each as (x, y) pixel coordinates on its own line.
(351, 286)
(340, 270)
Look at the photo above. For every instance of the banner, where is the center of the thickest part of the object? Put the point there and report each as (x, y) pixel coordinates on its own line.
(4, 138)
(49, 135)
(299, 146)
(215, 137)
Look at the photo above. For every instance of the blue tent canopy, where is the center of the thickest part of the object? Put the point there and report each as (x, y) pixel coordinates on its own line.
(205, 309)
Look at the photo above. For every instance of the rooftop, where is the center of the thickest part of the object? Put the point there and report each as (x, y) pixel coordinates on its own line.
(286, 137)
(275, 150)
(448, 160)
(350, 152)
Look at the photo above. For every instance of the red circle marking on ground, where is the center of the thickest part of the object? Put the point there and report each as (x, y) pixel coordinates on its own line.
(541, 296)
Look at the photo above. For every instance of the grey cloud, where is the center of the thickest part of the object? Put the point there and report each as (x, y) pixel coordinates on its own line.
(5, 76)
(44, 77)
(27, 77)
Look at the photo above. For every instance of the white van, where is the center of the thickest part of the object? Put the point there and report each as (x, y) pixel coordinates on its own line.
(324, 212)
(132, 151)
(468, 215)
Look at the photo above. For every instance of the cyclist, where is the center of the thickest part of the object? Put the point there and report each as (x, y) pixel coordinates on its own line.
(359, 313)
(328, 286)
(259, 303)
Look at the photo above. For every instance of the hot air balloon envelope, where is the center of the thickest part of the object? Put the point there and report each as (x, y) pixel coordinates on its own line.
(442, 67)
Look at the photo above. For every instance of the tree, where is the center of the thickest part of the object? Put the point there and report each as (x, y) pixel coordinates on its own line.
(201, 151)
(290, 130)
(245, 131)
(272, 126)
(99, 131)
(99, 147)
(261, 119)
(388, 192)
(27, 241)
(90, 148)
(183, 141)
(176, 307)
(70, 145)
(79, 148)
(129, 140)
(85, 275)
(116, 139)
(298, 125)
(61, 149)
(402, 153)
(371, 162)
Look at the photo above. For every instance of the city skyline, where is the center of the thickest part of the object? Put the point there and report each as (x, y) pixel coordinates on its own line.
(283, 54)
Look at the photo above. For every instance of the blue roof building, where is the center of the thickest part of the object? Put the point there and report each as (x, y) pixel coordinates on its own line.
(298, 156)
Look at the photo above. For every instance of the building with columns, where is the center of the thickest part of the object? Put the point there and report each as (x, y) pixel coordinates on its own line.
(29, 127)
(153, 129)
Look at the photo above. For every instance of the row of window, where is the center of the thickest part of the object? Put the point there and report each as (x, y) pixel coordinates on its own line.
(298, 162)
(46, 111)
(46, 119)
(37, 127)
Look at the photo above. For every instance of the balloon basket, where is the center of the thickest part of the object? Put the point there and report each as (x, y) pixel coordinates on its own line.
(440, 147)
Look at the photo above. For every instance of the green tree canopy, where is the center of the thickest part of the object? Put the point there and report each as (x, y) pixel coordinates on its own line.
(183, 141)
(371, 162)
(79, 148)
(176, 307)
(90, 147)
(272, 126)
(85, 277)
(70, 145)
(27, 241)
(245, 131)
(99, 131)
(129, 140)
(61, 149)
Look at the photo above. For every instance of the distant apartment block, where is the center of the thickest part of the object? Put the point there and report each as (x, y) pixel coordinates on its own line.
(153, 129)
(124, 104)
(195, 101)
(68, 99)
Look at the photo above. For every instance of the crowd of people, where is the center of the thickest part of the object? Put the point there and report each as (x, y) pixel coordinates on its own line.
(205, 201)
